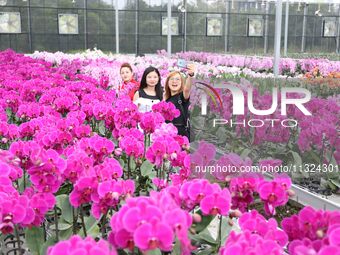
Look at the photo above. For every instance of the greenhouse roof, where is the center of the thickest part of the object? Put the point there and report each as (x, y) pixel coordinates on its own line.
(305, 1)
(294, 1)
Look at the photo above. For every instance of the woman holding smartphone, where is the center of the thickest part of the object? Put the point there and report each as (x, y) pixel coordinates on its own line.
(177, 91)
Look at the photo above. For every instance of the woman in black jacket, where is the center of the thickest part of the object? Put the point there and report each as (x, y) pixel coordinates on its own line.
(177, 91)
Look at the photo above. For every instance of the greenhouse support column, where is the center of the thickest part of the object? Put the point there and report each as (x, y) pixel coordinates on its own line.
(277, 39)
(117, 28)
(286, 29)
(303, 42)
(137, 28)
(266, 25)
(169, 28)
(338, 33)
(226, 38)
(185, 26)
(29, 26)
(85, 24)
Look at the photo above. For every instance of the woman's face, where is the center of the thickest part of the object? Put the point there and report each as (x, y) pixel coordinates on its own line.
(175, 83)
(152, 79)
(126, 74)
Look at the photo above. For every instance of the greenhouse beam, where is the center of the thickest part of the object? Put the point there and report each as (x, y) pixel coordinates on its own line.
(117, 28)
(185, 26)
(303, 41)
(29, 26)
(266, 25)
(137, 29)
(169, 28)
(226, 37)
(85, 24)
(337, 50)
(277, 38)
(286, 29)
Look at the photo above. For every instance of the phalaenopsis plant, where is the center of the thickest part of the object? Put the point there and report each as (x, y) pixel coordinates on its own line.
(82, 171)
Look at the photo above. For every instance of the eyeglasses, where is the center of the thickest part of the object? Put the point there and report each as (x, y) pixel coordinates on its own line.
(174, 79)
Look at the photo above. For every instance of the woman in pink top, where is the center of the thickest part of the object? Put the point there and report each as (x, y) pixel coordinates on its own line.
(126, 74)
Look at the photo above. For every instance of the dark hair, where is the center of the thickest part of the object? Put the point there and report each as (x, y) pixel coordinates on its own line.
(158, 87)
(125, 65)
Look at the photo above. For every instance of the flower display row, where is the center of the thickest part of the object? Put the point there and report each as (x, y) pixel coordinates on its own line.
(82, 171)
(98, 64)
(287, 66)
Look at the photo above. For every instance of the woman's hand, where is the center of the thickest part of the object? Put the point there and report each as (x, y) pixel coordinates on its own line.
(191, 69)
(188, 82)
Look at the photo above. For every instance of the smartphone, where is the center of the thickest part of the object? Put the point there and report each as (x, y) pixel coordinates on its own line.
(182, 63)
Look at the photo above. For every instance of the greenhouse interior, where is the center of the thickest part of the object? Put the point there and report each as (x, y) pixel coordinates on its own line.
(169, 127)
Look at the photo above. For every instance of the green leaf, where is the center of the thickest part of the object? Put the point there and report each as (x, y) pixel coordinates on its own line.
(332, 186)
(132, 164)
(146, 168)
(154, 252)
(226, 229)
(91, 225)
(177, 248)
(102, 128)
(65, 234)
(335, 183)
(51, 241)
(298, 162)
(312, 157)
(208, 251)
(21, 182)
(324, 183)
(206, 220)
(206, 237)
(332, 172)
(61, 226)
(8, 112)
(196, 111)
(245, 153)
(63, 203)
(66, 188)
(94, 231)
(121, 162)
(34, 238)
(221, 135)
(331, 159)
